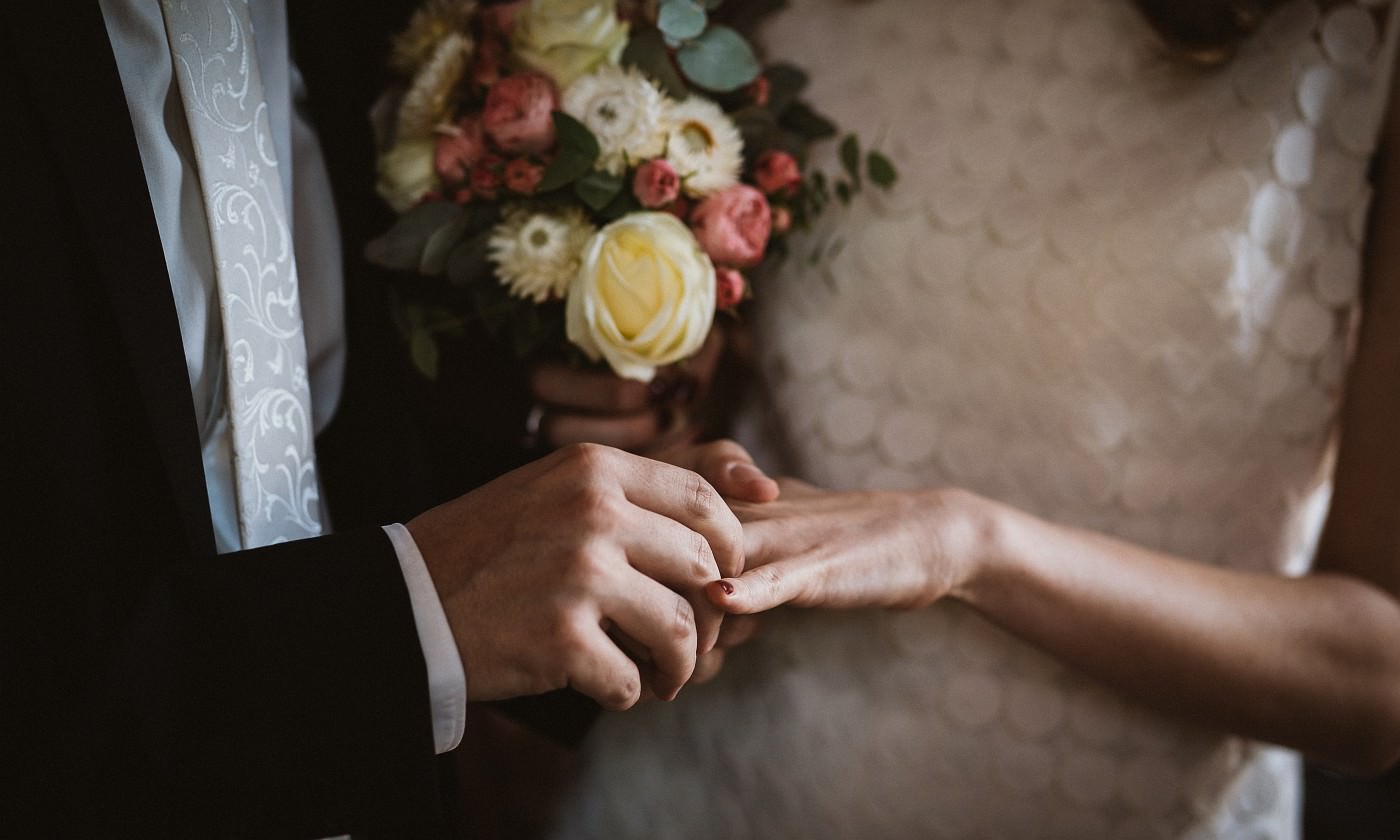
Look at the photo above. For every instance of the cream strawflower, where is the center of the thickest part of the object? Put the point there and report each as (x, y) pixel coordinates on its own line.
(704, 146)
(644, 295)
(566, 38)
(624, 110)
(537, 254)
(429, 100)
(430, 24)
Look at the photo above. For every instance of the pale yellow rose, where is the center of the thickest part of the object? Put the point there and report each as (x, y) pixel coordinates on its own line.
(644, 295)
(565, 39)
(406, 174)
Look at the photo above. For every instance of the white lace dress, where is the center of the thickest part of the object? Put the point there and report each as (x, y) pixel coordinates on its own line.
(1110, 289)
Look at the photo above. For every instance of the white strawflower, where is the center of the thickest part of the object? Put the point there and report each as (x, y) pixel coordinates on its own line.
(704, 146)
(624, 110)
(537, 254)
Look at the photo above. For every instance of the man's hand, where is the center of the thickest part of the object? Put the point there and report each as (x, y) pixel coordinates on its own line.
(548, 573)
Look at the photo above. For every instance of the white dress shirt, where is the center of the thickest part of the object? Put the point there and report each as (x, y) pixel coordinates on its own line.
(139, 42)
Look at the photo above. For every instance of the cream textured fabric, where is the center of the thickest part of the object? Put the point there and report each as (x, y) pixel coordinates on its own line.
(1112, 290)
(265, 349)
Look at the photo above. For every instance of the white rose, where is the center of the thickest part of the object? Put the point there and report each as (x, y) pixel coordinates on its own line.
(644, 295)
(566, 38)
(406, 174)
(625, 112)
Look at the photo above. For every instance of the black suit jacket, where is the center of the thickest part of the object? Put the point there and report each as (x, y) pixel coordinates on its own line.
(151, 687)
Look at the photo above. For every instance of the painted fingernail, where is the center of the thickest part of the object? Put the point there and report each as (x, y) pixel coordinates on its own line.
(726, 587)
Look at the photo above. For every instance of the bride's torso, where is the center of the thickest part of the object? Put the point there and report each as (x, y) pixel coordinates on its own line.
(1109, 289)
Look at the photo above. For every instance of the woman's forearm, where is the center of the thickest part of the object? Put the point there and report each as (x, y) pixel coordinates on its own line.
(1312, 662)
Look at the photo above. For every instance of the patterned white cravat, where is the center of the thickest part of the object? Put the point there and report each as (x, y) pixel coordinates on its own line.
(269, 395)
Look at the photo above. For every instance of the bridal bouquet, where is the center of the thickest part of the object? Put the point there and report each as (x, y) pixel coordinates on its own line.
(591, 176)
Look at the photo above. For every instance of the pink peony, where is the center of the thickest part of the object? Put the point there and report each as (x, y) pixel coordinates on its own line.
(729, 288)
(777, 172)
(656, 183)
(733, 225)
(458, 150)
(523, 176)
(517, 113)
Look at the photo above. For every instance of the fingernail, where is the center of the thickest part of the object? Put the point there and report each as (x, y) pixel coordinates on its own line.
(745, 472)
(726, 587)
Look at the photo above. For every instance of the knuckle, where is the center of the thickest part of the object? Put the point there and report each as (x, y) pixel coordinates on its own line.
(624, 692)
(683, 630)
(703, 557)
(586, 566)
(587, 458)
(701, 496)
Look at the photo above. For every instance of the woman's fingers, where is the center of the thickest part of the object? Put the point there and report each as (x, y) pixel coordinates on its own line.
(761, 589)
(728, 467)
(578, 390)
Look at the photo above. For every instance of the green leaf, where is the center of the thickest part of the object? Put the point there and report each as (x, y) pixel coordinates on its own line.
(711, 5)
(647, 52)
(598, 188)
(424, 351)
(622, 204)
(881, 169)
(803, 121)
(785, 83)
(681, 19)
(843, 192)
(720, 60)
(468, 263)
(757, 126)
(401, 247)
(441, 243)
(850, 158)
(578, 150)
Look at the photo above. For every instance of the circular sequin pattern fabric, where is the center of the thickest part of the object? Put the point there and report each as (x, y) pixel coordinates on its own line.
(1110, 289)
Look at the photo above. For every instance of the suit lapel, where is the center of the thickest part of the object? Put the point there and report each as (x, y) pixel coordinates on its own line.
(78, 95)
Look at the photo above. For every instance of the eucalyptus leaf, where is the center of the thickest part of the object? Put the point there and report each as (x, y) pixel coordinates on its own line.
(881, 170)
(597, 189)
(469, 262)
(401, 247)
(720, 60)
(808, 124)
(711, 5)
(647, 52)
(850, 158)
(423, 350)
(681, 19)
(578, 150)
(441, 243)
(785, 83)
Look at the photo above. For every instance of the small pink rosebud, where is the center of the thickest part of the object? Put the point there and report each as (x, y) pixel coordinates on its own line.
(462, 196)
(777, 173)
(656, 183)
(486, 177)
(517, 115)
(523, 176)
(782, 220)
(729, 288)
(759, 90)
(733, 225)
(459, 147)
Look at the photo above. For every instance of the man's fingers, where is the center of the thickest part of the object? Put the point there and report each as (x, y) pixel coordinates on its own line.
(599, 669)
(660, 621)
(588, 390)
(708, 666)
(679, 558)
(689, 499)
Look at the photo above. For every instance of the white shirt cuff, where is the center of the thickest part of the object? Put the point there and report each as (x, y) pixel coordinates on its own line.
(447, 682)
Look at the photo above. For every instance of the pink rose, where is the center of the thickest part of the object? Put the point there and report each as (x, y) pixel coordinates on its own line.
(656, 183)
(777, 172)
(733, 225)
(523, 176)
(458, 149)
(517, 113)
(729, 288)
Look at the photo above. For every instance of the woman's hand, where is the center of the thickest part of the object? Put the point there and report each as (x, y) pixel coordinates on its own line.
(596, 406)
(863, 549)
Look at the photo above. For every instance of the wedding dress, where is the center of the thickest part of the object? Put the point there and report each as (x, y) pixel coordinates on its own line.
(1111, 289)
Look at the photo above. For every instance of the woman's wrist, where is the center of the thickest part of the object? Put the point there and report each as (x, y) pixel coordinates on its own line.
(974, 537)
